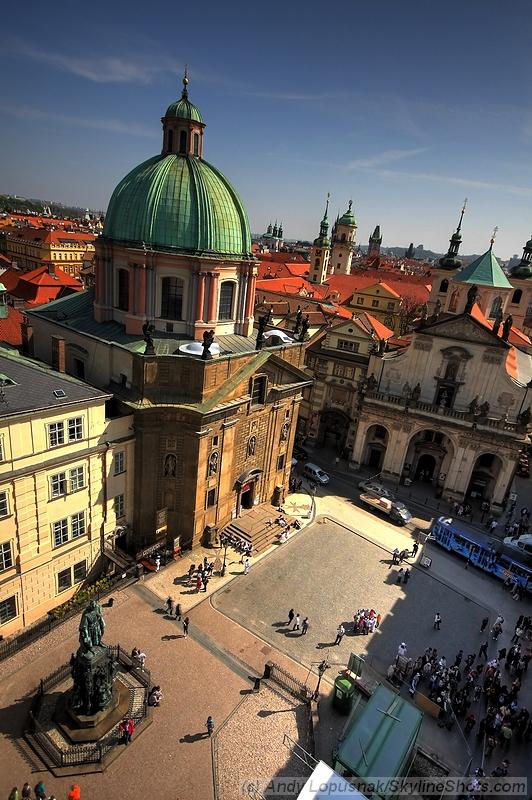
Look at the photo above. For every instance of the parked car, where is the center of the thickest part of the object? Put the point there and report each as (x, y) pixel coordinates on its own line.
(376, 488)
(316, 474)
(300, 453)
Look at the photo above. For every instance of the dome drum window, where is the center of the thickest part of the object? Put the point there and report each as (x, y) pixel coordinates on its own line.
(171, 298)
(227, 293)
(123, 289)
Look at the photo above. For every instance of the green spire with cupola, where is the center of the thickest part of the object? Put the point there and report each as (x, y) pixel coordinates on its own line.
(450, 260)
(323, 240)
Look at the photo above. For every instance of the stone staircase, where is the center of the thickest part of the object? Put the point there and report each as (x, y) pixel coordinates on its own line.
(253, 527)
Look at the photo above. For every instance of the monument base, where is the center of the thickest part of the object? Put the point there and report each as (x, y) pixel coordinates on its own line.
(79, 728)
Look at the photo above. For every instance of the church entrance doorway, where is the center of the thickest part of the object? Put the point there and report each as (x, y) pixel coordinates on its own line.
(483, 477)
(247, 495)
(426, 467)
(375, 449)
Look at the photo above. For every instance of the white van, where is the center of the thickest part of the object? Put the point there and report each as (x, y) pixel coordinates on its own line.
(315, 473)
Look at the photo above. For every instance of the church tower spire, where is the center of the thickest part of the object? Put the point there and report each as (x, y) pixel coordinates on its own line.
(320, 252)
(451, 260)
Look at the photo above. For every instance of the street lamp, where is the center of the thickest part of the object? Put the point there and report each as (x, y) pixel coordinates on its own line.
(226, 545)
(322, 668)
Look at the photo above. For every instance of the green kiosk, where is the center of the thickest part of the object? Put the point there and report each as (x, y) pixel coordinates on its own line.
(380, 738)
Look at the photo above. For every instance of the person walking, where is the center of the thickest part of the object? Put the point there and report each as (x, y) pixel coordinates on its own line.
(186, 623)
(178, 611)
(415, 548)
(209, 725)
(305, 626)
(437, 621)
(483, 651)
(169, 605)
(291, 615)
(247, 566)
(406, 576)
(297, 623)
(13, 794)
(484, 624)
(458, 658)
(127, 727)
(340, 631)
(40, 791)
(395, 555)
(157, 563)
(26, 791)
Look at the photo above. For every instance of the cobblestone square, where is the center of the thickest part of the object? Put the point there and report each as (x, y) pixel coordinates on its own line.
(329, 572)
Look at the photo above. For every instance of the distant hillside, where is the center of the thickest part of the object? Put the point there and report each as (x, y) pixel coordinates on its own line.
(23, 205)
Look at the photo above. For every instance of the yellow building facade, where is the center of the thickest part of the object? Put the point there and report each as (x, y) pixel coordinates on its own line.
(379, 300)
(31, 247)
(66, 486)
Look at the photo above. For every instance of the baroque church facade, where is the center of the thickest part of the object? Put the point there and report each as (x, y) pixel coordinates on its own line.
(169, 330)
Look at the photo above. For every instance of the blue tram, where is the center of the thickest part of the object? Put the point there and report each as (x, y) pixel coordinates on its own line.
(482, 553)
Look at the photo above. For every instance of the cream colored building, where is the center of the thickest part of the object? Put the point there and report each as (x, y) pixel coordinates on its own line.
(451, 410)
(66, 486)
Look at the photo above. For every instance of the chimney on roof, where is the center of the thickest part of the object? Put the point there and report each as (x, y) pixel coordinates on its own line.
(27, 337)
(50, 266)
(58, 354)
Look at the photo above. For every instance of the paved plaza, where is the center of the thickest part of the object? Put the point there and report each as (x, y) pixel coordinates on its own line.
(330, 572)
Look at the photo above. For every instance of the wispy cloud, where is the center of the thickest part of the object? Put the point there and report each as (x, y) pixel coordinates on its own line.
(110, 125)
(469, 183)
(102, 69)
(386, 157)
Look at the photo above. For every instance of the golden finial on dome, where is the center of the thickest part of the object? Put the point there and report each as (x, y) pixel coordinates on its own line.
(185, 83)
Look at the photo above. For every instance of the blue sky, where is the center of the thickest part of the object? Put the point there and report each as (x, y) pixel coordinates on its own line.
(407, 107)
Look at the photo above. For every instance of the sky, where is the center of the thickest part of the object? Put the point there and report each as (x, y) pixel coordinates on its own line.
(405, 107)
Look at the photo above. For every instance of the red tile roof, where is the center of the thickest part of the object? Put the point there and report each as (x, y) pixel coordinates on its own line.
(39, 285)
(292, 285)
(44, 235)
(10, 328)
(412, 286)
(380, 329)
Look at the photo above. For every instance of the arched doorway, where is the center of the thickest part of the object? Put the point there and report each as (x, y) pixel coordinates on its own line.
(375, 447)
(246, 486)
(426, 467)
(333, 429)
(484, 476)
(428, 458)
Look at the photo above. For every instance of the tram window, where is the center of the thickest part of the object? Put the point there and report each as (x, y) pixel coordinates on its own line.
(505, 562)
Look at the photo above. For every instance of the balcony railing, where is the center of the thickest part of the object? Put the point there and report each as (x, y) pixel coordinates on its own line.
(432, 409)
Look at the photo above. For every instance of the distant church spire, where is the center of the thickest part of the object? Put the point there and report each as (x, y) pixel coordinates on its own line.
(451, 260)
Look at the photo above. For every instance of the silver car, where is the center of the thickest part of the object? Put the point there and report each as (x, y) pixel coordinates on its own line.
(373, 487)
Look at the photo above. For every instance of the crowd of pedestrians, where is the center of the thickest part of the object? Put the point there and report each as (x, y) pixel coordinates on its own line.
(39, 792)
(480, 692)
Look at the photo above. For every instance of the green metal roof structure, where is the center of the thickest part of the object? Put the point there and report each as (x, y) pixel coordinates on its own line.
(175, 202)
(380, 738)
(184, 109)
(484, 271)
(348, 218)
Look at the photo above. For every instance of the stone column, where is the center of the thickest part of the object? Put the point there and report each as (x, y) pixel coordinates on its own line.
(141, 293)
(212, 312)
(200, 299)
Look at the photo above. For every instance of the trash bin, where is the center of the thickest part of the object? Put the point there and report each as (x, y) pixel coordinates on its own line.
(344, 692)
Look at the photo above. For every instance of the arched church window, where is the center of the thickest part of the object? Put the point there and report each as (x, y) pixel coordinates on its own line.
(444, 285)
(171, 298)
(123, 289)
(225, 309)
(516, 297)
(196, 144)
(213, 464)
(170, 141)
(453, 303)
(182, 141)
(496, 306)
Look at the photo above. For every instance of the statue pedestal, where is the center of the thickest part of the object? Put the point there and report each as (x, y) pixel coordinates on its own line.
(80, 728)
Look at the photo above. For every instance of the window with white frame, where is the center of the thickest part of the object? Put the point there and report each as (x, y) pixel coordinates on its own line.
(120, 462)
(77, 522)
(56, 434)
(58, 485)
(347, 344)
(6, 556)
(75, 429)
(80, 571)
(119, 506)
(4, 505)
(8, 609)
(60, 531)
(77, 478)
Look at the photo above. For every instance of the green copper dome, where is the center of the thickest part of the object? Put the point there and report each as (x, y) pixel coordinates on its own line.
(179, 203)
(348, 218)
(184, 109)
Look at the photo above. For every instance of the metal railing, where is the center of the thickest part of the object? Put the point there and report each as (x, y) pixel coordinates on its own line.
(287, 681)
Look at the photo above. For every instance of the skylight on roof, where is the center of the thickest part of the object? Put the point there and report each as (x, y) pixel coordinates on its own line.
(59, 393)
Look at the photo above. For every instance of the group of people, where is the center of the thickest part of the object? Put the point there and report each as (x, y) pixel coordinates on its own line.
(39, 792)
(200, 575)
(295, 618)
(155, 696)
(398, 556)
(519, 527)
(365, 621)
(462, 509)
(459, 687)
